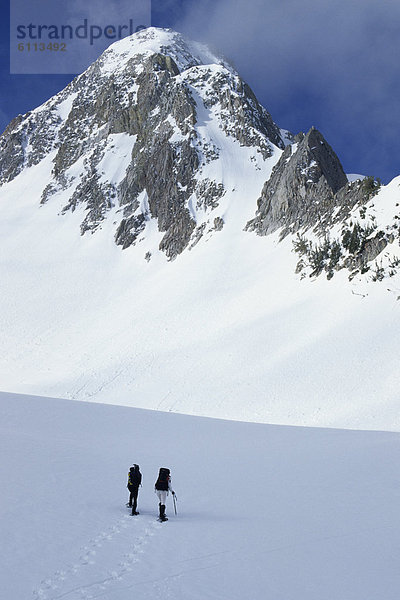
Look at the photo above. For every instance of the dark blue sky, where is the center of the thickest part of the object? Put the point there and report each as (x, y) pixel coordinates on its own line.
(331, 64)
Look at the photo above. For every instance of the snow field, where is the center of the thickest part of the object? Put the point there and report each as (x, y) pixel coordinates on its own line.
(263, 511)
(226, 330)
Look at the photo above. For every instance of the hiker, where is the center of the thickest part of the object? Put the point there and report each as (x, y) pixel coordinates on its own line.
(162, 488)
(134, 480)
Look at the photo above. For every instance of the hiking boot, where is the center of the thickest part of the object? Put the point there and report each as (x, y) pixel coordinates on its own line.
(162, 513)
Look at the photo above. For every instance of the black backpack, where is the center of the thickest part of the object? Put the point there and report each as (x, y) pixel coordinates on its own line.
(163, 479)
(134, 476)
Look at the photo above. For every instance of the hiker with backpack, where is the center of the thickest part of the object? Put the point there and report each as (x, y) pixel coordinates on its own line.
(162, 488)
(134, 480)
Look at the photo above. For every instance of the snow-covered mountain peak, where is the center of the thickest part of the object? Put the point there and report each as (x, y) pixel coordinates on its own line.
(148, 126)
(159, 150)
(154, 40)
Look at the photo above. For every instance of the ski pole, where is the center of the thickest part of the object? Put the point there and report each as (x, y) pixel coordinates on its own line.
(174, 498)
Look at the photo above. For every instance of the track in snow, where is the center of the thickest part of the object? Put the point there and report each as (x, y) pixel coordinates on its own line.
(93, 574)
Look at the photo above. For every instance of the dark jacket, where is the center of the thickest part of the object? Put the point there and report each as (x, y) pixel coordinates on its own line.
(134, 478)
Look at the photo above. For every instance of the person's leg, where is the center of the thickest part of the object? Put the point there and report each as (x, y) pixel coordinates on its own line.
(163, 498)
(134, 504)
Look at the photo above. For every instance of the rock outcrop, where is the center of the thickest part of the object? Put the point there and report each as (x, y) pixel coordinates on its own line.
(302, 187)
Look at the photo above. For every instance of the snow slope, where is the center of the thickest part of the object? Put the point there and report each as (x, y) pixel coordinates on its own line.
(227, 330)
(263, 511)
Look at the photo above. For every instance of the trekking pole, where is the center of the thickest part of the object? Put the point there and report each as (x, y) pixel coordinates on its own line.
(174, 498)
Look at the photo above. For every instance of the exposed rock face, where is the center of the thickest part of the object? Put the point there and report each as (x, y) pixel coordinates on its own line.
(302, 186)
(155, 93)
(158, 131)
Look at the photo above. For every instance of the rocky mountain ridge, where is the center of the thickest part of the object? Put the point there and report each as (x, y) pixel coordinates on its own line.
(159, 130)
(149, 214)
(308, 194)
(154, 90)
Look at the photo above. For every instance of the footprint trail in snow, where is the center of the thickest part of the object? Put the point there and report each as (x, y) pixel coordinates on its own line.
(104, 561)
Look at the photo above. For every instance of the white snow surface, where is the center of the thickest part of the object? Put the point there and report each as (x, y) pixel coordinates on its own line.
(154, 40)
(264, 511)
(117, 157)
(226, 330)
